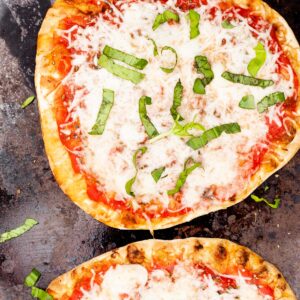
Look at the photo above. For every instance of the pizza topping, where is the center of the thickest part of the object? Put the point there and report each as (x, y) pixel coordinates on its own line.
(247, 102)
(189, 166)
(166, 16)
(203, 67)
(272, 205)
(105, 108)
(32, 278)
(270, 100)
(194, 23)
(155, 49)
(177, 99)
(120, 71)
(212, 133)
(138, 63)
(28, 101)
(29, 223)
(156, 174)
(149, 127)
(247, 80)
(227, 25)
(131, 181)
(171, 69)
(256, 63)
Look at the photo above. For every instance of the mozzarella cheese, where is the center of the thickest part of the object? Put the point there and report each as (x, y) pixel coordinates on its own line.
(186, 282)
(108, 157)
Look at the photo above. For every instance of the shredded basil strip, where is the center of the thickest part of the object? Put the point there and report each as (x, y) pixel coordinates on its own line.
(40, 294)
(29, 223)
(169, 70)
(155, 50)
(130, 182)
(133, 61)
(194, 24)
(103, 114)
(28, 101)
(120, 71)
(272, 205)
(247, 80)
(256, 63)
(177, 99)
(203, 67)
(270, 100)
(166, 16)
(227, 25)
(184, 174)
(32, 278)
(156, 173)
(211, 134)
(149, 127)
(247, 102)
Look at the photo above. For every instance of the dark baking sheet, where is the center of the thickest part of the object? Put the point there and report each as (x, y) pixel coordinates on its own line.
(66, 236)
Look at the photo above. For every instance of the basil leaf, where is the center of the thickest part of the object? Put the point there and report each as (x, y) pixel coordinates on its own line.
(149, 127)
(227, 25)
(166, 16)
(247, 80)
(29, 223)
(40, 294)
(247, 102)
(120, 71)
(27, 101)
(183, 175)
(194, 24)
(103, 114)
(256, 63)
(138, 63)
(177, 99)
(155, 50)
(32, 278)
(211, 134)
(169, 70)
(203, 67)
(272, 205)
(270, 100)
(130, 182)
(156, 173)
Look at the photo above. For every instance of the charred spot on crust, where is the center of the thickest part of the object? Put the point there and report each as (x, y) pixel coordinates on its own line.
(198, 246)
(135, 255)
(221, 252)
(242, 257)
(114, 254)
(262, 271)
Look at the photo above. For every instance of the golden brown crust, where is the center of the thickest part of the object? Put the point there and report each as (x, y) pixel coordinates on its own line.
(47, 82)
(217, 254)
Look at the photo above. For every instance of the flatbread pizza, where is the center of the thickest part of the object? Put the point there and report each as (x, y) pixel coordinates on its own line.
(194, 268)
(156, 112)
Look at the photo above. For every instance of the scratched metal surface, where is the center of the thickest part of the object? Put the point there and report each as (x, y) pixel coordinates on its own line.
(66, 236)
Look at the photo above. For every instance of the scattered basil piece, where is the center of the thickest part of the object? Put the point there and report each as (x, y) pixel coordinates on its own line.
(32, 278)
(156, 173)
(187, 170)
(27, 101)
(256, 63)
(212, 133)
(247, 102)
(120, 71)
(168, 48)
(270, 100)
(247, 80)
(130, 182)
(194, 24)
(40, 294)
(203, 67)
(166, 16)
(177, 99)
(155, 50)
(266, 188)
(133, 61)
(149, 127)
(29, 223)
(227, 25)
(103, 114)
(272, 205)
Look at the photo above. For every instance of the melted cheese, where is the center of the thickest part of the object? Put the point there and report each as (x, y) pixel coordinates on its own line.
(185, 283)
(109, 156)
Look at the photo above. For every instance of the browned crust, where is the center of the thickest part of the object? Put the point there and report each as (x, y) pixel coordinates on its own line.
(218, 254)
(46, 80)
